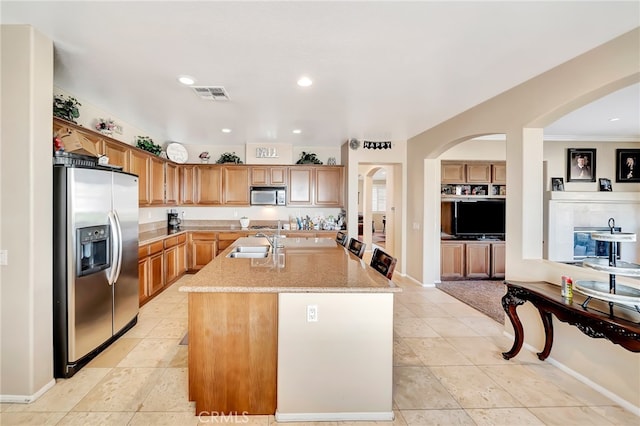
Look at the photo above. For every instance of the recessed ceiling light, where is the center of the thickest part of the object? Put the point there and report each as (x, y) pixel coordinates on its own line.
(305, 82)
(186, 80)
(225, 130)
(614, 119)
(297, 131)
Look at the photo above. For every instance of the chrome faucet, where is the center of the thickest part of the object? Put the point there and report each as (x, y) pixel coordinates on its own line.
(274, 240)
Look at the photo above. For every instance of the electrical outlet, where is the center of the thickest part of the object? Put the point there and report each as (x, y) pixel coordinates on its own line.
(4, 257)
(312, 313)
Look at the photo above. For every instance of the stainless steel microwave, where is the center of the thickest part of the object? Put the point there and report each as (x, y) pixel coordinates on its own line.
(268, 196)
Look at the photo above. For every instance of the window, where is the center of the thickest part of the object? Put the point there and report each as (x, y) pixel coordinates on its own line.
(379, 198)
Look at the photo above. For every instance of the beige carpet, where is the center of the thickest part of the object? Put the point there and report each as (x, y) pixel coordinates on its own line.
(482, 295)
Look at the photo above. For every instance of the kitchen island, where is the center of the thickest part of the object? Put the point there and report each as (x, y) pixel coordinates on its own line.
(305, 334)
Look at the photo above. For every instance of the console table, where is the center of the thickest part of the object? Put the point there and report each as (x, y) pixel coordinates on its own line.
(595, 321)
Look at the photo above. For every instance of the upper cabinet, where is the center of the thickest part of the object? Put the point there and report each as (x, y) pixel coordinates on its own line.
(139, 165)
(268, 175)
(208, 185)
(316, 186)
(329, 186)
(236, 185)
(473, 179)
(163, 182)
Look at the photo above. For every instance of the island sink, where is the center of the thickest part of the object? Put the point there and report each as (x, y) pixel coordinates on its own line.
(249, 252)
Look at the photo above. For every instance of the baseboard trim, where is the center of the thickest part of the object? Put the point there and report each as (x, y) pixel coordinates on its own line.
(601, 390)
(335, 417)
(26, 399)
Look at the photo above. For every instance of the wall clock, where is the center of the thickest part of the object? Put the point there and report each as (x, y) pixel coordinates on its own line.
(177, 153)
(354, 143)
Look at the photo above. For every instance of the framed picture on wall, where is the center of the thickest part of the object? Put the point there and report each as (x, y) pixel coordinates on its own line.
(557, 184)
(627, 168)
(605, 184)
(581, 165)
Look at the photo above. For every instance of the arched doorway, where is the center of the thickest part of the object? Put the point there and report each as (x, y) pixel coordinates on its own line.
(377, 199)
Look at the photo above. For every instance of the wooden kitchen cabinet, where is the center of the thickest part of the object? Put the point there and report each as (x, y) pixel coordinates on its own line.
(203, 247)
(156, 180)
(268, 175)
(452, 173)
(452, 260)
(118, 154)
(499, 173)
(329, 186)
(174, 257)
(139, 165)
(477, 260)
(208, 185)
(316, 186)
(172, 184)
(472, 260)
(498, 255)
(156, 268)
(478, 172)
(236, 185)
(300, 191)
(187, 184)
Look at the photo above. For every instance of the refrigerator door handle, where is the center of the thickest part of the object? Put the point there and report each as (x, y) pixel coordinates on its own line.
(119, 244)
(116, 248)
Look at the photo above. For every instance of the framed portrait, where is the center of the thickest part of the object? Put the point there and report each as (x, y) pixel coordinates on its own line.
(627, 167)
(605, 184)
(581, 165)
(557, 184)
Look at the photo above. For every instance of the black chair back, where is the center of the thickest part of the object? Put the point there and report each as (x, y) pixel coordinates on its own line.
(383, 263)
(356, 247)
(341, 238)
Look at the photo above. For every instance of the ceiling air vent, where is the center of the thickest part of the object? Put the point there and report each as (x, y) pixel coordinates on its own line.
(212, 93)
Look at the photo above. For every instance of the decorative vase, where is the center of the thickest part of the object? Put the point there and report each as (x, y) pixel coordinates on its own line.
(244, 222)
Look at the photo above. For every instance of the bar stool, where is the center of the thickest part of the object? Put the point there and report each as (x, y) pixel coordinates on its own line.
(356, 247)
(383, 263)
(341, 238)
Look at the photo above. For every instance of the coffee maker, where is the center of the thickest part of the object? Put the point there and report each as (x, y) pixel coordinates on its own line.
(173, 221)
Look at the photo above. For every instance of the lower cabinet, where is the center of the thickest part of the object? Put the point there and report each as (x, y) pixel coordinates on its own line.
(175, 257)
(225, 239)
(203, 247)
(150, 270)
(451, 261)
(472, 260)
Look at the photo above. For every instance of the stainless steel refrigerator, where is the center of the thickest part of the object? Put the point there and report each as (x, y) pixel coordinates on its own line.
(95, 272)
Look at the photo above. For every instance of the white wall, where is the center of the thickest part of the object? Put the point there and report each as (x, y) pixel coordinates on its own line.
(26, 214)
(342, 364)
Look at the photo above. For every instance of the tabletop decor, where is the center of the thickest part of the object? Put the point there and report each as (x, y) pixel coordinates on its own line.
(204, 157)
(67, 109)
(146, 143)
(105, 126)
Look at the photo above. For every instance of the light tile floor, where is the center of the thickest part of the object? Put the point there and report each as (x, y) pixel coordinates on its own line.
(448, 370)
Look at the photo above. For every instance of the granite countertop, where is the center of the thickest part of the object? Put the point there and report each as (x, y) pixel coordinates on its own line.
(147, 237)
(314, 265)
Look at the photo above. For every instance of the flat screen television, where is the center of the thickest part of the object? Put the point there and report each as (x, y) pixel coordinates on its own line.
(477, 218)
(585, 246)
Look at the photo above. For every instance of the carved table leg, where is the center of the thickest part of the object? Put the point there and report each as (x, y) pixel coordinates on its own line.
(548, 334)
(509, 303)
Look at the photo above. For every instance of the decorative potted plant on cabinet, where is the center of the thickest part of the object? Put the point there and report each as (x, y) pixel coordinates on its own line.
(229, 157)
(308, 158)
(146, 143)
(67, 109)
